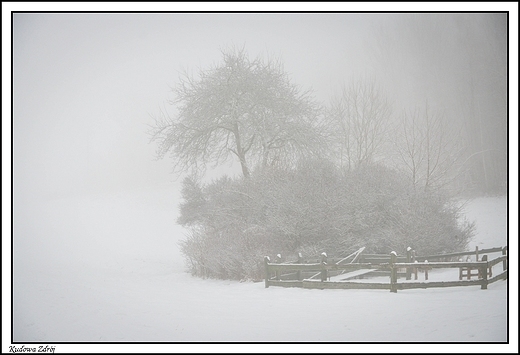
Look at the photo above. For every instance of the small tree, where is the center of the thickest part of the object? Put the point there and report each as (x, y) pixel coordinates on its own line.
(429, 149)
(244, 108)
(359, 118)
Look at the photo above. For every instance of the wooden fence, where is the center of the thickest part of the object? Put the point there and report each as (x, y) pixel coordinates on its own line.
(293, 274)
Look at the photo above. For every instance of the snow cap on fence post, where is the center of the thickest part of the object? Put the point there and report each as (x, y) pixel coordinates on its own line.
(323, 258)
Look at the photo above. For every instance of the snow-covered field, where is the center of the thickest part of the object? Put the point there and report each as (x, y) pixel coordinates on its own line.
(107, 268)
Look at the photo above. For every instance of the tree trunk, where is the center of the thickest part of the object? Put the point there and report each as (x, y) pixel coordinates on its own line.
(240, 152)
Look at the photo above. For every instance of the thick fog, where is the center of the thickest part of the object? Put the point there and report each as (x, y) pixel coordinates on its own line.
(86, 87)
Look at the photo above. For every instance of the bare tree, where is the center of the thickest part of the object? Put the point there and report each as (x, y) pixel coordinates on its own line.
(244, 108)
(484, 104)
(359, 117)
(429, 149)
(462, 69)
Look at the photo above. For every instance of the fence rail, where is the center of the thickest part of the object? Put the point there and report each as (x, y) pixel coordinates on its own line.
(392, 264)
(464, 253)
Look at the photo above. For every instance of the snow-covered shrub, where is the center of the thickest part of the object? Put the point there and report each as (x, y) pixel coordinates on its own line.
(314, 207)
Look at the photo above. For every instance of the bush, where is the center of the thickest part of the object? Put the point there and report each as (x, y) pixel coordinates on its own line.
(312, 208)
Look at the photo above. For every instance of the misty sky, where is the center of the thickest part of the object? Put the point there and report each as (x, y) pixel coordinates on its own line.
(86, 85)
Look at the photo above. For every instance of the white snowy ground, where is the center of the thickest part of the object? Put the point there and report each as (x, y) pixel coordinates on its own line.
(107, 268)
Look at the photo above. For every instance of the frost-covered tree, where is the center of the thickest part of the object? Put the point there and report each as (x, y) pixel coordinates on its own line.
(241, 108)
(312, 208)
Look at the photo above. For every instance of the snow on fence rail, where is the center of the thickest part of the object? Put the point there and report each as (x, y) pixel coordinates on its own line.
(292, 274)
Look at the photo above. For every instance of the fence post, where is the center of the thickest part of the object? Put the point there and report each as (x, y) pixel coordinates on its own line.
(476, 253)
(408, 260)
(426, 271)
(278, 261)
(300, 261)
(504, 263)
(415, 267)
(266, 267)
(484, 273)
(323, 263)
(393, 272)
